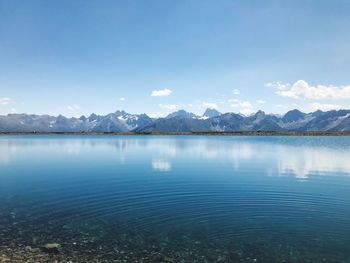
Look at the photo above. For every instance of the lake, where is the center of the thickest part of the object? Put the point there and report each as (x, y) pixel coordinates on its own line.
(99, 198)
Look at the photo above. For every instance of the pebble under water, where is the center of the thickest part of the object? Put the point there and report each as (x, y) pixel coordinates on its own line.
(72, 198)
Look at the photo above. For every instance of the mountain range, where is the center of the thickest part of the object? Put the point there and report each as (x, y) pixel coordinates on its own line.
(180, 121)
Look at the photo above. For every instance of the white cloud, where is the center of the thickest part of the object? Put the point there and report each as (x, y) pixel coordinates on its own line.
(73, 108)
(261, 101)
(325, 106)
(301, 89)
(122, 99)
(210, 105)
(13, 110)
(160, 165)
(246, 104)
(277, 85)
(168, 106)
(5, 101)
(236, 92)
(161, 93)
(281, 106)
(244, 107)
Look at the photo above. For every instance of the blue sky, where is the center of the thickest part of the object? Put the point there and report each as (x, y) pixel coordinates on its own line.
(77, 57)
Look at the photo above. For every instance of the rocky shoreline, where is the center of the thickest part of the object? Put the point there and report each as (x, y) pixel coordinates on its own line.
(107, 241)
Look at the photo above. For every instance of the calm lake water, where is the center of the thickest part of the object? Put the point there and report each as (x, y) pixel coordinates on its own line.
(175, 198)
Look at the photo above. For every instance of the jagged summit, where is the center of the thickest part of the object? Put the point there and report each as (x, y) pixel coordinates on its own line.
(293, 115)
(211, 113)
(182, 114)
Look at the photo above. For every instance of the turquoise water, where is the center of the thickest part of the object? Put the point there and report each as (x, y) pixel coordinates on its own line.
(175, 198)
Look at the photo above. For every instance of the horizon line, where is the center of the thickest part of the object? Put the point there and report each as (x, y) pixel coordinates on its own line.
(221, 113)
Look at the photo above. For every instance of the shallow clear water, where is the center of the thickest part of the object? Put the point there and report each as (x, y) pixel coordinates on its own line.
(175, 198)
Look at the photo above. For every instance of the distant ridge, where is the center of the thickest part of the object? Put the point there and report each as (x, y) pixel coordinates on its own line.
(234, 133)
(180, 122)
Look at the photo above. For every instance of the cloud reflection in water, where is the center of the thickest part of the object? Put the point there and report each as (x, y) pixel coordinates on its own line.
(273, 156)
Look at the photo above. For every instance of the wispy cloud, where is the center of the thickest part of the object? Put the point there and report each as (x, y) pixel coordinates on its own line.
(122, 99)
(210, 105)
(281, 106)
(169, 106)
(236, 92)
(244, 107)
(161, 93)
(13, 110)
(73, 108)
(325, 106)
(277, 85)
(301, 89)
(5, 101)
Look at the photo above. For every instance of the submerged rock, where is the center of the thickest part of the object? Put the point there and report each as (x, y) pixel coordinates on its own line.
(51, 247)
(31, 249)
